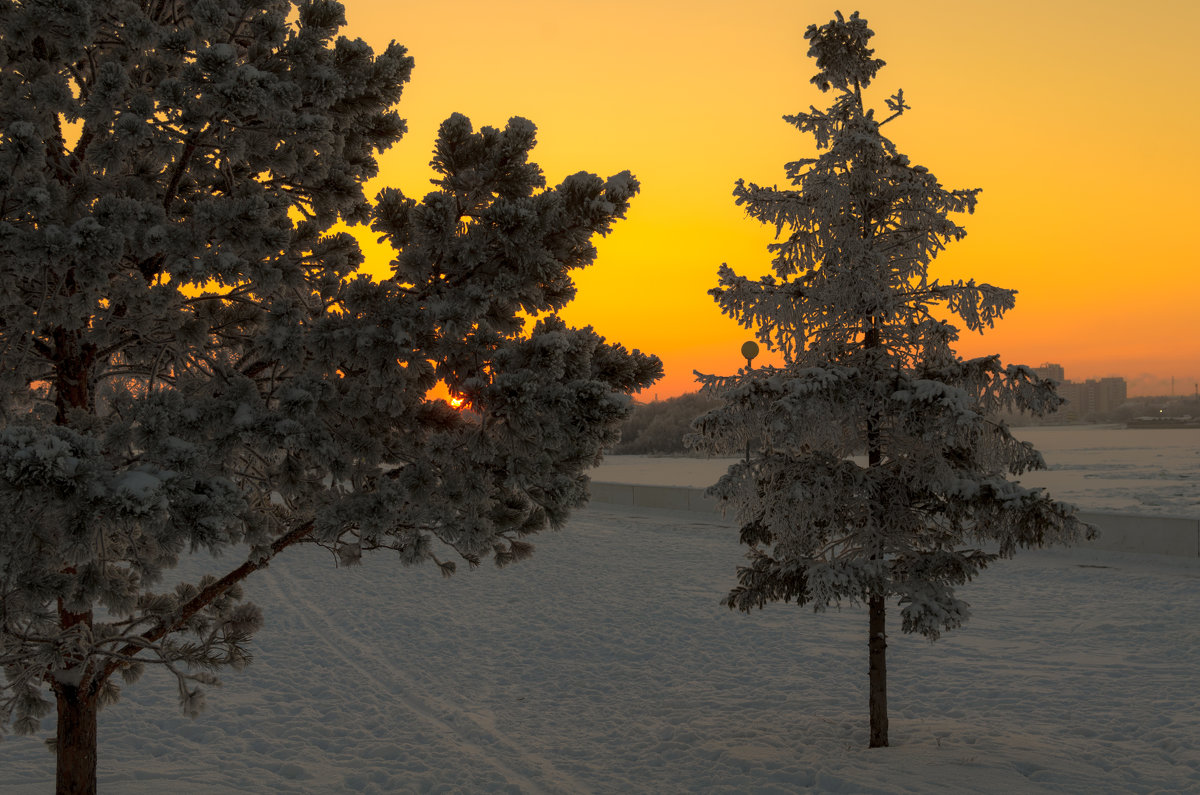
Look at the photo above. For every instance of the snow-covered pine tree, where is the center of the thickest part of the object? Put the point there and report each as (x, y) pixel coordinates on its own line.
(190, 363)
(883, 471)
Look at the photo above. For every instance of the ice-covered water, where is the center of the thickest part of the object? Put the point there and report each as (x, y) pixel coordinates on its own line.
(1112, 468)
(1099, 468)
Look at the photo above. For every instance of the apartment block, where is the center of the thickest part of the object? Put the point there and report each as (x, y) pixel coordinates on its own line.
(1086, 399)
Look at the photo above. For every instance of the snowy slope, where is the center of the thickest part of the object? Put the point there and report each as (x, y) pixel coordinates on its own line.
(606, 664)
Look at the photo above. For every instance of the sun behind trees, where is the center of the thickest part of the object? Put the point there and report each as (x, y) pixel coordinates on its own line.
(870, 369)
(190, 362)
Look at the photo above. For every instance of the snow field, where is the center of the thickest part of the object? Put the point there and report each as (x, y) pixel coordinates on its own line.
(606, 664)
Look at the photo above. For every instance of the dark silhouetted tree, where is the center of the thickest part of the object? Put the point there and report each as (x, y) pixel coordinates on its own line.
(868, 367)
(190, 362)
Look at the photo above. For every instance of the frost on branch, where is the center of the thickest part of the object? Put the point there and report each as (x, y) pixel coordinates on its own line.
(192, 361)
(884, 472)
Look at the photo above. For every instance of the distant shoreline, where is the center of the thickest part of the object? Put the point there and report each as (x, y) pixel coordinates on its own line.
(1163, 423)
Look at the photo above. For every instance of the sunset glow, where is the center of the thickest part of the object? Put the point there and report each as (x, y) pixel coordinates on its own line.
(1077, 119)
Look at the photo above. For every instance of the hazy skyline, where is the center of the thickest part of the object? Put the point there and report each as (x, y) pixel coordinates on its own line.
(1077, 119)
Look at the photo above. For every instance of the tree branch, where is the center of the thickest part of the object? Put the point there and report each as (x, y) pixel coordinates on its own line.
(206, 597)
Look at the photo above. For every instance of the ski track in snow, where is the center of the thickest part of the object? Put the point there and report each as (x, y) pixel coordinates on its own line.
(471, 734)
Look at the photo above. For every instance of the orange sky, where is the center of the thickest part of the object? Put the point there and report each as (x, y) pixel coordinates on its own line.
(1080, 121)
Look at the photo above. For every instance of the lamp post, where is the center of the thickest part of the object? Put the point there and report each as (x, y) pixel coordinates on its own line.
(749, 350)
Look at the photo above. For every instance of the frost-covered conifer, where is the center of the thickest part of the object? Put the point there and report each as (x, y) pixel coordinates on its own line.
(884, 472)
(189, 362)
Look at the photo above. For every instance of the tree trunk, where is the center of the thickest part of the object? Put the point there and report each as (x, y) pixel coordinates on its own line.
(877, 646)
(75, 746)
(75, 743)
(876, 602)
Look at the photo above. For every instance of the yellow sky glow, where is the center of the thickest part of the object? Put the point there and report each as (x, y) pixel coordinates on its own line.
(1079, 120)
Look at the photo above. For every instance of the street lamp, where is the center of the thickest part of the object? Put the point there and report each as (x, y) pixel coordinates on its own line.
(749, 350)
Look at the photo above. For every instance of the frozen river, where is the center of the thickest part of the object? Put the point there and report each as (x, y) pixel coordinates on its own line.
(1099, 468)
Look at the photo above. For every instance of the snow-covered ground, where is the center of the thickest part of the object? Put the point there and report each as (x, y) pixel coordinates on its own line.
(1098, 468)
(606, 664)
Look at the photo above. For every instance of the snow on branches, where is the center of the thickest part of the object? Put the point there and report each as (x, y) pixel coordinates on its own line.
(884, 470)
(190, 359)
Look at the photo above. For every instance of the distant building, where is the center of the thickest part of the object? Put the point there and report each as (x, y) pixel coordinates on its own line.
(1089, 399)
(1054, 372)
(1112, 392)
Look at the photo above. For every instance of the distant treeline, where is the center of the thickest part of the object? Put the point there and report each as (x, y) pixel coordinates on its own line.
(658, 428)
(1163, 407)
(1159, 406)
